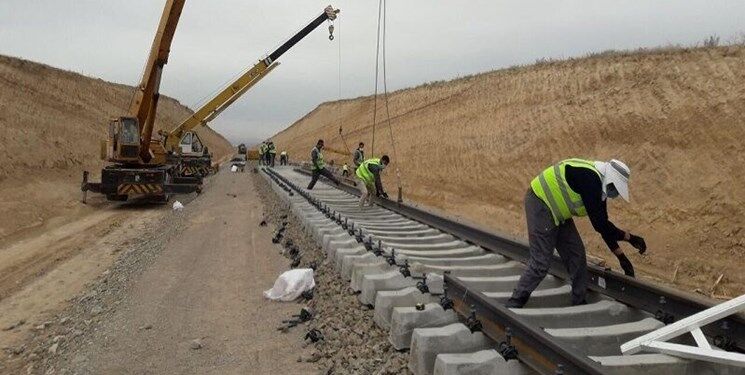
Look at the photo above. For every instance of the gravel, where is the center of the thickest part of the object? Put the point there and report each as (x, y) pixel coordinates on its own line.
(352, 343)
(57, 343)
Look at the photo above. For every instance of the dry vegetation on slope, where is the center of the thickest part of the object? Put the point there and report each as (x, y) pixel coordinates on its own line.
(470, 147)
(51, 122)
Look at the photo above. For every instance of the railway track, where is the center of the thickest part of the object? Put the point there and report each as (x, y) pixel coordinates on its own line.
(438, 287)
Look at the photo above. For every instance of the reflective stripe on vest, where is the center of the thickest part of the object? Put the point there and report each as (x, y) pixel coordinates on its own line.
(551, 187)
(320, 164)
(363, 172)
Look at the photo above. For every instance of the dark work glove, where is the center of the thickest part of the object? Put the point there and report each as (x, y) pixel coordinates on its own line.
(638, 243)
(628, 268)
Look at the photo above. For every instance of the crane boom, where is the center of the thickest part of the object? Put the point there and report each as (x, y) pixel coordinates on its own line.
(235, 90)
(142, 166)
(218, 104)
(145, 101)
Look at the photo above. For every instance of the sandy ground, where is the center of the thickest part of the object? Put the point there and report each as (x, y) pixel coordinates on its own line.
(176, 277)
(40, 272)
(470, 147)
(51, 125)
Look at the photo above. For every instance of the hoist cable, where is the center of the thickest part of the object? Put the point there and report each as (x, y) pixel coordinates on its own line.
(385, 95)
(377, 60)
(338, 102)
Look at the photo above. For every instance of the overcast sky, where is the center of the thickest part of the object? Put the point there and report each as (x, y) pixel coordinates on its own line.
(428, 40)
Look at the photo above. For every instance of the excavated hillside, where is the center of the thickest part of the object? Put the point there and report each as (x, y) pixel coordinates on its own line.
(51, 123)
(470, 147)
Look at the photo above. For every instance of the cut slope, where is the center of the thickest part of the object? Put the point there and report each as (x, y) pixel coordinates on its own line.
(470, 147)
(51, 124)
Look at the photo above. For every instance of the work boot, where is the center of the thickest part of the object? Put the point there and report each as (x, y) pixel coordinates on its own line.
(516, 302)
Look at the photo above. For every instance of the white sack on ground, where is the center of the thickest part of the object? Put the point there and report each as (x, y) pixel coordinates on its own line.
(291, 284)
(177, 206)
(234, 168)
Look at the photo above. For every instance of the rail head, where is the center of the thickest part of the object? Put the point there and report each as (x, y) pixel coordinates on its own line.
(667, 304)
(534, 347)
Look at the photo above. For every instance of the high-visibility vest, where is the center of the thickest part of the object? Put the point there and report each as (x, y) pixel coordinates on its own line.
(272, 149)
(319, 164)
(262, 149)
(363, 172)
(551, 187)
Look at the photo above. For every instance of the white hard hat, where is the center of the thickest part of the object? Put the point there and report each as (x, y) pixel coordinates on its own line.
(617, 173)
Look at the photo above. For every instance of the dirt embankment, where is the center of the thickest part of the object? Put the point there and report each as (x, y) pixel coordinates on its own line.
(51, 123)
(470, 147)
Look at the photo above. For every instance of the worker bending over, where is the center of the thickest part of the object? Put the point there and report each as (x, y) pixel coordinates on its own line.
(359, 155)
(369, 179)
(283, 158)
(573, 187)
(319, 166)
(345, 170)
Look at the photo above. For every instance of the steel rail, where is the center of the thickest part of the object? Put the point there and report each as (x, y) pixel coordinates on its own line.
(534, 347)
(667, 304)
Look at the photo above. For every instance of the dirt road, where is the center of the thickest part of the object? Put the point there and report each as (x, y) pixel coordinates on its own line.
(213, 261)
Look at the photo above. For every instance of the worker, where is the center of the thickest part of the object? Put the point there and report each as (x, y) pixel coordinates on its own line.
(272, 150)
(368, 175)
(573, 187)
(345, 170)
(262, 153)
(318, 166)
(266, 154)
(359, 155)
(283, 158)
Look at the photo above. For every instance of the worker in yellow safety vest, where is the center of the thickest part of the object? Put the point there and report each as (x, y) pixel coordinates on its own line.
(318, 166)
(572, 187)
(369, 182)
(271, 150)
(262, 153)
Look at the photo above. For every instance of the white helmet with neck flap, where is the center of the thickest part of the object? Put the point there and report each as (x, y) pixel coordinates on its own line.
(615, 178)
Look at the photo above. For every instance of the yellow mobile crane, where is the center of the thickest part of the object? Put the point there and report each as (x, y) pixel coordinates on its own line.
(144, 167)
(183, 145)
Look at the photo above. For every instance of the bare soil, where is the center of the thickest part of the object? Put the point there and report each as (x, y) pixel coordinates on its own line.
(470, 147)
(51, 125)
(192, 275)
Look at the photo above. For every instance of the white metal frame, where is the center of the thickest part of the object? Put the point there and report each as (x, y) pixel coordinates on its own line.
(656, 341)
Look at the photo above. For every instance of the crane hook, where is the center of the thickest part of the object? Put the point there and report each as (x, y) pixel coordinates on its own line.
(331, 31)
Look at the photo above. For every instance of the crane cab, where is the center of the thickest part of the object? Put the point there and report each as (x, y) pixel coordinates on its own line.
(123, 140)
(191, 145)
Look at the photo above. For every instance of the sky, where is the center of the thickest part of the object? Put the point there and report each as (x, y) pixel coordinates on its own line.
(427, 40)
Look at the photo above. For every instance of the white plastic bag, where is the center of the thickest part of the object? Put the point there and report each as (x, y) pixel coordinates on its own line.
(291, 284)
(234, 168)
(177, 206)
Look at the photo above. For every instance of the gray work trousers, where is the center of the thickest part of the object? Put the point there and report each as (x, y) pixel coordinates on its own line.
(317, 173)
(544, 236)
